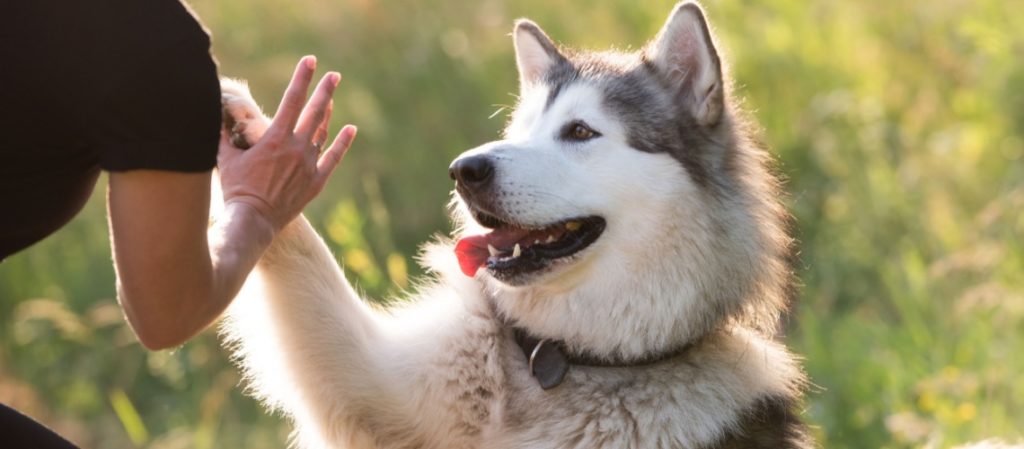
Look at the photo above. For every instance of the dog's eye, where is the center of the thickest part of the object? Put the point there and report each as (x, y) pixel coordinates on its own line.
(578, 132)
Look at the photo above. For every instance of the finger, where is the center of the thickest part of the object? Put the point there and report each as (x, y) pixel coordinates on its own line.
(313, 114)
(332, 157)
(294, 96)
(320, 136)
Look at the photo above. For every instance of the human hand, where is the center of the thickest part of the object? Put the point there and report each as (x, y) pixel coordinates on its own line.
(284, 169)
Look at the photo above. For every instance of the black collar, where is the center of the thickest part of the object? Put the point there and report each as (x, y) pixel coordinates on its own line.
(549, 361)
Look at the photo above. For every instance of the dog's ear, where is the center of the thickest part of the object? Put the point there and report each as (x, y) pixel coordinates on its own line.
(535, 52)
(685, 53)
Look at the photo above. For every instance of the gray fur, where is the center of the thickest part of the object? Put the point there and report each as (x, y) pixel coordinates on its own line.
(771, 423)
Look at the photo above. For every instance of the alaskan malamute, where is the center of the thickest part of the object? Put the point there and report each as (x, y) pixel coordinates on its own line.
(620, 265)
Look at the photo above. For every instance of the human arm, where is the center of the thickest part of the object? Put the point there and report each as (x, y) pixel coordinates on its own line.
(176, 275)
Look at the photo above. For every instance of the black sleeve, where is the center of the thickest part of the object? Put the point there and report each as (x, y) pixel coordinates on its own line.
(161, 106)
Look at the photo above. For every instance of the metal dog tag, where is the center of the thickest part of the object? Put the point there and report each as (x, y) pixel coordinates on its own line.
(548, 364)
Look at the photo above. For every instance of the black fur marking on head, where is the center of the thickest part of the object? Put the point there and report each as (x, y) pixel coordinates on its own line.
(772, 423)
(657, 126)
(557, 77)
(636, 93)
(646, 96)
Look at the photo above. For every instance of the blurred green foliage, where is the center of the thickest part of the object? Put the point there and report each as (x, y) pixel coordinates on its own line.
(898, 125)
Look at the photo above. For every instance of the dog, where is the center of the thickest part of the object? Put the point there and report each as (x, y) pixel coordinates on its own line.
(619, 267)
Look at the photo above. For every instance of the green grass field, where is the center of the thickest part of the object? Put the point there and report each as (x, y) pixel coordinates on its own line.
(899, 126)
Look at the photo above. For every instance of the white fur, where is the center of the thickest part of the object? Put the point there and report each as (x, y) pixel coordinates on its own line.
(349, 376)
(638, 257)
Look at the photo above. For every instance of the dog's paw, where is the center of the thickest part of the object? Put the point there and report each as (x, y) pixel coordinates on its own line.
(242, 117)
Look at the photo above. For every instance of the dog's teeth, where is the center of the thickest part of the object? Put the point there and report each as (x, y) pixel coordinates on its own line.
(494, 251)
(573, 225)
(550, 239)
(516, 251)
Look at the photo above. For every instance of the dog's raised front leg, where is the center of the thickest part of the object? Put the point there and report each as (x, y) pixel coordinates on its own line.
(348, 375)
(299, 329)
(319, 367)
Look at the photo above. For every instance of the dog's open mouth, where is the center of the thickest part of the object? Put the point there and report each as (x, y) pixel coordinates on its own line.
(509, 251)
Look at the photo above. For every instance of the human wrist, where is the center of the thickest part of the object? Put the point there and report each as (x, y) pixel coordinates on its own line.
(252, 214)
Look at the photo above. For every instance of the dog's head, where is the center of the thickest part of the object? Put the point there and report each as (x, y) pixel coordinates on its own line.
(626, 210)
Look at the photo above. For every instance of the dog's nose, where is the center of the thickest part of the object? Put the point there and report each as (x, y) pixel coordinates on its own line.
(472, 172)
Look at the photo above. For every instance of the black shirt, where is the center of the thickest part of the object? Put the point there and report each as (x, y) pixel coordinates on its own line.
(90, 85)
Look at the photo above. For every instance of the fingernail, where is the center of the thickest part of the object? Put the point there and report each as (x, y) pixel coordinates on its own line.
(334, 78)
(310, 62)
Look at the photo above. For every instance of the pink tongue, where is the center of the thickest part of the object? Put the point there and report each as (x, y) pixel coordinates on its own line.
(472, 251)
(472, 254)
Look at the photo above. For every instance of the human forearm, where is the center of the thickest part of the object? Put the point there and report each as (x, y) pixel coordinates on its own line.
(168, 311)
(176, 275)
(237, 239)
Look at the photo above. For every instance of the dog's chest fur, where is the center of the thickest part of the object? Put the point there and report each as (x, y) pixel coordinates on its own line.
(731, 390)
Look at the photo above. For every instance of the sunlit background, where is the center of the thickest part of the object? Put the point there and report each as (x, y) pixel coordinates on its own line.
(899, 126)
